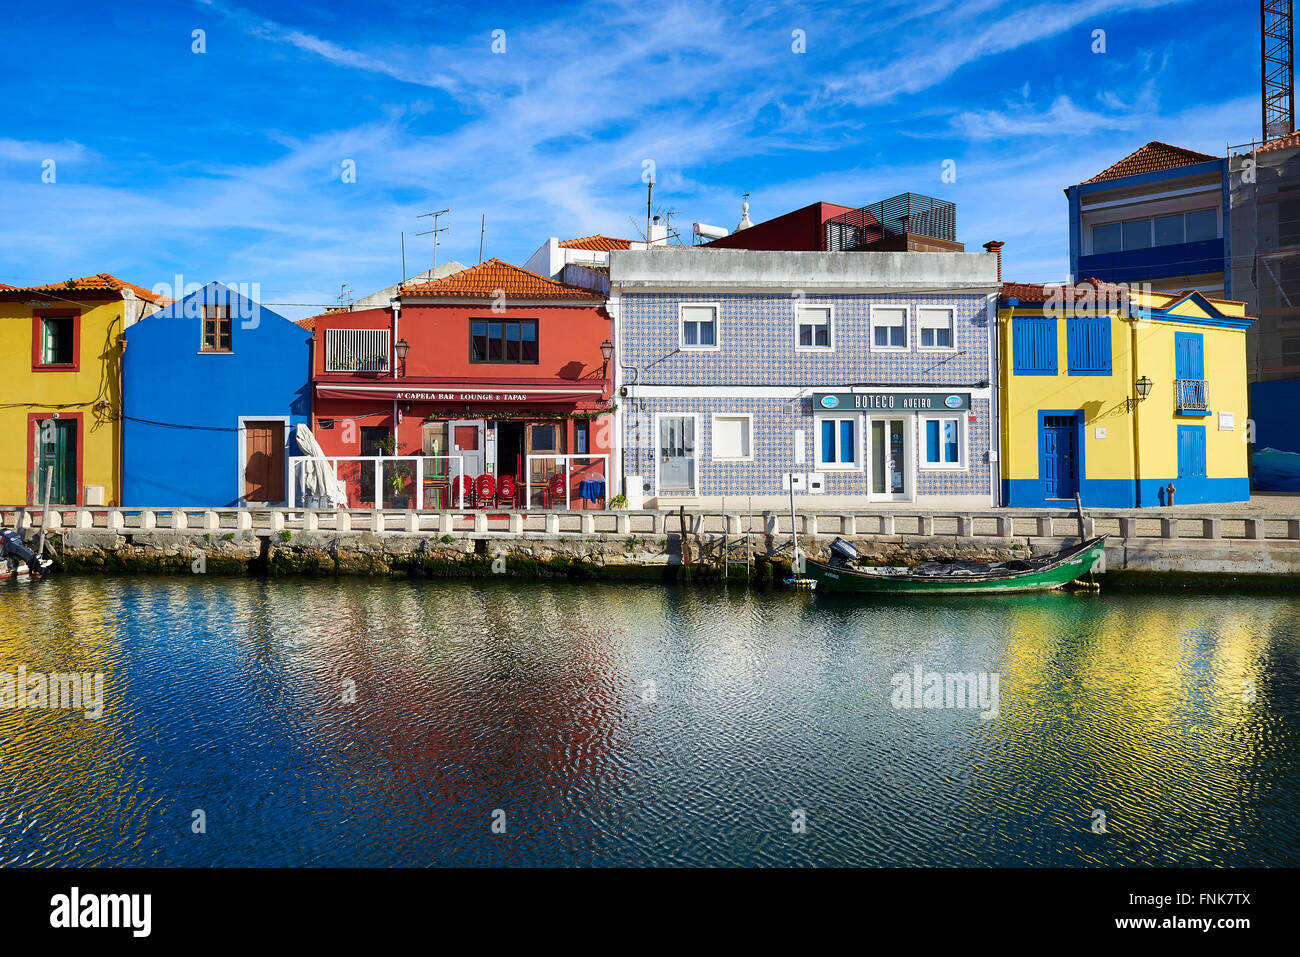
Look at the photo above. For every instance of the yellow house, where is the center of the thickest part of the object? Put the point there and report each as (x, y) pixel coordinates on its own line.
(1126, 396)
(60, 354)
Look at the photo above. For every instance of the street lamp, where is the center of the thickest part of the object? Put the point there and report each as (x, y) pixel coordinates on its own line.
(403, 347)
(606, 350)
(1143, 386)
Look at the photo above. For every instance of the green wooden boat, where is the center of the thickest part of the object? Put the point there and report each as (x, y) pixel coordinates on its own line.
(955, 578)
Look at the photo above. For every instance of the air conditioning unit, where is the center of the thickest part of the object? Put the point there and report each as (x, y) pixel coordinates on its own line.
(94, 495)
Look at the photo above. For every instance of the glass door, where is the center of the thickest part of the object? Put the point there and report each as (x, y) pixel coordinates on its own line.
(890, 466)
(677, 453)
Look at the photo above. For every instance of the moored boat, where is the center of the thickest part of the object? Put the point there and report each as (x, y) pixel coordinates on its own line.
(956, 578)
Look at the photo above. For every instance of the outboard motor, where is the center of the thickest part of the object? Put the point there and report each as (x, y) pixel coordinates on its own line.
(843, 553)
(14, 551)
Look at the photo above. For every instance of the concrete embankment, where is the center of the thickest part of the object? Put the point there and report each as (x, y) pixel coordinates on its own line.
(1168, 549)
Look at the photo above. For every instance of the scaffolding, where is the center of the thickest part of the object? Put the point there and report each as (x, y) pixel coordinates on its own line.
(1264, 252)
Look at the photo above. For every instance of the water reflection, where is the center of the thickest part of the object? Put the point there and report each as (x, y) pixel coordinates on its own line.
(389, 722)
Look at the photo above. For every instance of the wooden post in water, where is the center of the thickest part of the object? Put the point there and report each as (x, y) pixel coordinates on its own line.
(749, 541)
(45, 516)
(794, 532)
(726, 556)
(1078, 507)
(686, 548)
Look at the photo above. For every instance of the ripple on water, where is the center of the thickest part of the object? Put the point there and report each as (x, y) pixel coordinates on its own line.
(393, 723)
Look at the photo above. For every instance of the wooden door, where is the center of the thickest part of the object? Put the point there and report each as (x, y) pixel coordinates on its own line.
(263, 461)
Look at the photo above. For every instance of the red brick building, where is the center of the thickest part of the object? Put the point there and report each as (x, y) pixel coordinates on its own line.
(485, 367)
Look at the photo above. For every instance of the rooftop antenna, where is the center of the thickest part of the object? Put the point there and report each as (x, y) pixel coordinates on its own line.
(403, 258)
(345, 295)
(435, 231)
(668, 224)
(649, 191)
(482, 226)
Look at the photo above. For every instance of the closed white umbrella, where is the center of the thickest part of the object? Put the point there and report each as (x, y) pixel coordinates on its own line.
(318, 476)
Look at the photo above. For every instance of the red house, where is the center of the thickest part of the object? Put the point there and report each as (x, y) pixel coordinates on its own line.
(494, 369)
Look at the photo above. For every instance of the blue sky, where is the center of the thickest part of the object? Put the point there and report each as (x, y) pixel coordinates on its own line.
(228, 164)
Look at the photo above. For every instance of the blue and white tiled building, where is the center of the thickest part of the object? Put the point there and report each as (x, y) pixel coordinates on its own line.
(858, 376)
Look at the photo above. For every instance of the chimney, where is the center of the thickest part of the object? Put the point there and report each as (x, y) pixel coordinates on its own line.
(658, 233)
(995, 247)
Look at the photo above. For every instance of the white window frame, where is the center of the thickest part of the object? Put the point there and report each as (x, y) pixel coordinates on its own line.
(907, 331)
(713, 437)
(830, 326)
(695, 458)
(952, 329)
(962, 437)
(859, 460)
(681, 326)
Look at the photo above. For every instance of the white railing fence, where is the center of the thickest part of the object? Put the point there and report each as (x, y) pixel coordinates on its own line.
(586, 475)
(384, 481)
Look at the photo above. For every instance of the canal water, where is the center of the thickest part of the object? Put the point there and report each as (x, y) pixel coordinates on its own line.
(450, 722)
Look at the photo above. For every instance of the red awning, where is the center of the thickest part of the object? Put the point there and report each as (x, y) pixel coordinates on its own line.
(459, 395)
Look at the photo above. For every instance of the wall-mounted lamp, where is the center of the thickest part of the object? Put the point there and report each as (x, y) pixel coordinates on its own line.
(607, 351)
(1143, 386)
(403, 347)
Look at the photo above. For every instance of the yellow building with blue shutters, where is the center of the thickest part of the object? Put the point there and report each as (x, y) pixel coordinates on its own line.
(1126, 396)
(60, 362)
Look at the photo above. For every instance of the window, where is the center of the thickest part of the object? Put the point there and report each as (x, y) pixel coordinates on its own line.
(837, 443)
(509, 340)
(58, 345)
(942, 445)
(1033, 342)
(699, 327)
(1106, 238)
(1191, 451)
(581, 436)
(1288, 222)
(543, 438)
(1202, 224)
(1169, 230)
(1088, 345)
(812, 328)
(1137, 234)
(216, 329)
(888, 328)
(934, 328)
(731, 437)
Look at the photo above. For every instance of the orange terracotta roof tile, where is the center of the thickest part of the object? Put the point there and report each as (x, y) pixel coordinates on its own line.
(1037, 292)
(1290, 141)
(1153, 157)
(102, 282)
(489, 279)
(597, 243)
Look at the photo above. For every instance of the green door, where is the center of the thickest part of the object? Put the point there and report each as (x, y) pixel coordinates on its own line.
(56, 441)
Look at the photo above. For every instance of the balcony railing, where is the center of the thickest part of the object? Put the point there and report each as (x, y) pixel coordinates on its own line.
(356, 350)
(1193, 394)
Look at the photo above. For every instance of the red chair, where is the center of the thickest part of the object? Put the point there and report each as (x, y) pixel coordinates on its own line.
(467, 484)
(557, 488)
(507, 490)
(485, 490)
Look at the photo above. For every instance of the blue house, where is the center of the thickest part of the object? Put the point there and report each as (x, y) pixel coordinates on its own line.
(213, 387)
(1158, 217)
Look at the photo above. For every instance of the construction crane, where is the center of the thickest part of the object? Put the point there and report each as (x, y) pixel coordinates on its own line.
(1277, 50)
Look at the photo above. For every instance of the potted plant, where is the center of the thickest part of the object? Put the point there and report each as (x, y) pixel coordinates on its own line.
(399, 474)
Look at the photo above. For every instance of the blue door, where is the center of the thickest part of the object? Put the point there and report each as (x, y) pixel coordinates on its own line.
(1058, 457)
(1191, 451)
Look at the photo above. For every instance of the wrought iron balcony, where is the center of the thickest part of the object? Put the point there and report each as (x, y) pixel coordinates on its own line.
(356, 350)
(1193, 394)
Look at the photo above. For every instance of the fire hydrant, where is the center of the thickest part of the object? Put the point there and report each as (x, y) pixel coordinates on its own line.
(1169, 494)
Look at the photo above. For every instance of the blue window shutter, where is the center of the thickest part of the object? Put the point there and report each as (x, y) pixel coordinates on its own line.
(1033, 345)
(932, 441)
(828, 440)
(1088, 342)
(846, 440)
(950, 443)
(1189, 355)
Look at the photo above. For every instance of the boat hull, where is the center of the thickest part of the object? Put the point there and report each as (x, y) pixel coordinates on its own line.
(1069, 565)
